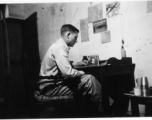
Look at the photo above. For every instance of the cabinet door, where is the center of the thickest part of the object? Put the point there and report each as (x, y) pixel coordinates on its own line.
(30, 45)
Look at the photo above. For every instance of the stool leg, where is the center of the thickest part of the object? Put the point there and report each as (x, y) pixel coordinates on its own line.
(148, 108)
(134, 107)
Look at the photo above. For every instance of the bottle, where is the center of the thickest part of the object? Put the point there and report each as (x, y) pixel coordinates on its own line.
(123, 52)
(85, 60)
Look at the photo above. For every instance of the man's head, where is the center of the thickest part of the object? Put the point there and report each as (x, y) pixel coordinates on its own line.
(69, 33)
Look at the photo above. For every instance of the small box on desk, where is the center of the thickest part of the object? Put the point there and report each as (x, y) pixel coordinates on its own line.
(126, 60)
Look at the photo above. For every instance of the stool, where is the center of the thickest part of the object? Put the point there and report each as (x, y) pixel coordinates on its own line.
(135, 100)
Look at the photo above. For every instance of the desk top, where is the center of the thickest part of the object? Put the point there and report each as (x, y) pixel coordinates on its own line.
(87, 66)
(98, 66)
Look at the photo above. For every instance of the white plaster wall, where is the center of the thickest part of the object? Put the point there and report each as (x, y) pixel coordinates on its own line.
(15, 11)
(138, 38)
(133, 24)
(52, 16)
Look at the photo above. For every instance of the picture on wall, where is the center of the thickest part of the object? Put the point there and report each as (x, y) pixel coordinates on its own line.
(95, 13)
(100, 26)
(105, 37)
(112, 9)
(149, 6)
(93, 60)
(84, 30)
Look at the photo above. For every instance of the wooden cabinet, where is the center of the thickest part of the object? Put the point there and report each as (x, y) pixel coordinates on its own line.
(17, 38)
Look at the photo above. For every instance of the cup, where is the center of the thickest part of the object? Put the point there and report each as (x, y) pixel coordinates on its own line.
(145, 92)
(144, 82)
(137, 91)
(138, 81)
(150, 90)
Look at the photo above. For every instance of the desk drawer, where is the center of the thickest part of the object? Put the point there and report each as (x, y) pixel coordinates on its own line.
(117, 70)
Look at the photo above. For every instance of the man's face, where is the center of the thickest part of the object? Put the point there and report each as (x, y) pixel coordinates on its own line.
(72, 39)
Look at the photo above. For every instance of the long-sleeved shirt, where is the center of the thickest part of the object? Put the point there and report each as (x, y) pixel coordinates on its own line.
(56, 61)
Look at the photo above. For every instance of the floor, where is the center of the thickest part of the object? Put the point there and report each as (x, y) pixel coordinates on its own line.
(1, 108)
(24, 113)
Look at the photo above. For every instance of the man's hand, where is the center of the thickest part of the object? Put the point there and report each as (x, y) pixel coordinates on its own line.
(81, 73)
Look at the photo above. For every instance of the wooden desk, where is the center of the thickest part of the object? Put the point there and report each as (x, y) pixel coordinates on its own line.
(102, 73)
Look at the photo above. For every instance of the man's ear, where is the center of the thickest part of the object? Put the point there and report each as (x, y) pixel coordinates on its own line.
(68, 34)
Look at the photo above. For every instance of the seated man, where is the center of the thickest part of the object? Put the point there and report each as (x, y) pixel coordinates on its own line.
(56, 63)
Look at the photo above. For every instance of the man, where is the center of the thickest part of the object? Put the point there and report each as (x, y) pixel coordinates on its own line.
(56, 63)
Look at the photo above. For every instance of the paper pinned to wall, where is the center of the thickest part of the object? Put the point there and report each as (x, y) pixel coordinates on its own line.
(149, 6)
(105, 37)
(113, 9)
(95, 13)
(84, 30)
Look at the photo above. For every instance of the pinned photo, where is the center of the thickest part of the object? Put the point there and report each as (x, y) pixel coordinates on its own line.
(100, 26)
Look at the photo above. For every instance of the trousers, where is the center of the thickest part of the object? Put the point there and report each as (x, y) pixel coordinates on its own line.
(86, 85)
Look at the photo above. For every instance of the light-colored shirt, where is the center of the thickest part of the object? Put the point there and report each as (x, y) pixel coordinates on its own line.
(56, 61)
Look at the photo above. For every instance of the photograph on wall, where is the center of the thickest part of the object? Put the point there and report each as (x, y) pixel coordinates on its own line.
(113, 9)
(84, 30)
(100, 26)
(105, 37)
(93, 60)
(95, 13)
(149, 6)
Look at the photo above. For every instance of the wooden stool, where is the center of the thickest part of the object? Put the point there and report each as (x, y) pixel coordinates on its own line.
(135, 100)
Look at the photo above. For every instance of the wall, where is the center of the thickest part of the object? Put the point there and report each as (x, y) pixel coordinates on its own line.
(133, 25)
(15, 11)
(62, 13)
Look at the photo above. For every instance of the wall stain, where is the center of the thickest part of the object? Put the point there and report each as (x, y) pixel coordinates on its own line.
(61, 9)
(52, 9)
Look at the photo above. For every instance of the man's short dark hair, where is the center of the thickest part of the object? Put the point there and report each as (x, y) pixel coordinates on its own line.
(68, 27)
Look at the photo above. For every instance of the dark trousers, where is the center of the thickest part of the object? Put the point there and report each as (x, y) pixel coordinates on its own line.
(86, 85)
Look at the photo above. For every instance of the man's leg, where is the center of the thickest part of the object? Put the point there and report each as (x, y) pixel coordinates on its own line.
(87, 86)
(91, 88)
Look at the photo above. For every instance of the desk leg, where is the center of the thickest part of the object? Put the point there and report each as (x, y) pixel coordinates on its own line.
(105, 96)
(134, 107)
(106, 107)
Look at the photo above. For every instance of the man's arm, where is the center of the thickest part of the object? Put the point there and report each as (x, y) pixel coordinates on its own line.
(61, 57)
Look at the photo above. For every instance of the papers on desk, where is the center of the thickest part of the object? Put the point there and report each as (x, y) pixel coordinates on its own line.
(102, 64)
(77, 64)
